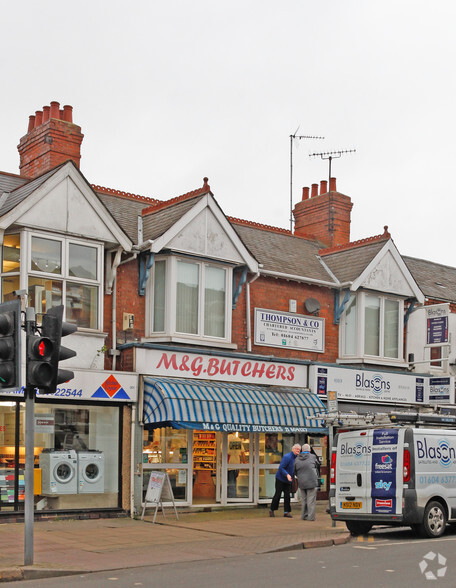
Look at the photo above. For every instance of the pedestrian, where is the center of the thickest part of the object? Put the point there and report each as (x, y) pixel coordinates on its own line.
(283, 480)
(307, 470)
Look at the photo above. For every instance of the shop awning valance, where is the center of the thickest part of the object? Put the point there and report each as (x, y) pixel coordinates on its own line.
(225, 406)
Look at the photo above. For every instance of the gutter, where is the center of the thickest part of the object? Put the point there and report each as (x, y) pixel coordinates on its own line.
(306, 280)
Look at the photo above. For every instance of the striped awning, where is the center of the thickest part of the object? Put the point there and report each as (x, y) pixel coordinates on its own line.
(223, 406)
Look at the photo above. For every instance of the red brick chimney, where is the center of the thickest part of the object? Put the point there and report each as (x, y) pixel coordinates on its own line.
(51, 139)
(324, 216)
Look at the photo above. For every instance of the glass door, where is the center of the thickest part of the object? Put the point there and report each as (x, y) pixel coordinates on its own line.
(238, 457)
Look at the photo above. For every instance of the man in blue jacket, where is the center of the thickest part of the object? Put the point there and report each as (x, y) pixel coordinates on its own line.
(284, 476)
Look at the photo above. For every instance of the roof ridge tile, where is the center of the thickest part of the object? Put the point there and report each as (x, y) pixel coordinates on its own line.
(359, 243)
(122, 194)
(160, 204)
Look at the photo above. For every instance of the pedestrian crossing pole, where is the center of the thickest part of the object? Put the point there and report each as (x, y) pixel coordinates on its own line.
(29, 506)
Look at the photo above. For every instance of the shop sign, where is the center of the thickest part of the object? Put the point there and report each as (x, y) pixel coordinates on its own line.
(233, 427)
(440, 390)
(93, 385)
(215, 367)
(437, 323)
(385, 387)
(284, 329)
(44, 423)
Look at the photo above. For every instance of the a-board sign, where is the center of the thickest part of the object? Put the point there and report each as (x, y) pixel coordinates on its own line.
(159, 489)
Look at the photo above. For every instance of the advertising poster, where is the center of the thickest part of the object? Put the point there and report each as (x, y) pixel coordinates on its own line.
(383, 473)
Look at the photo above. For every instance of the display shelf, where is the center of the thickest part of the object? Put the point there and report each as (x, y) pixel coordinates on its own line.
(204, 451)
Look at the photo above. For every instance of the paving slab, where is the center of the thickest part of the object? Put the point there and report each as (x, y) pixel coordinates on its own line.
(82, 546)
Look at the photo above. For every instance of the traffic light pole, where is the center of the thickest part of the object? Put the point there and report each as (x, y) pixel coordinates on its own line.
(29, 506)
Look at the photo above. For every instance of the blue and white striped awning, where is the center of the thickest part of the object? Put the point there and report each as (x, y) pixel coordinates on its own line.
(223, 406)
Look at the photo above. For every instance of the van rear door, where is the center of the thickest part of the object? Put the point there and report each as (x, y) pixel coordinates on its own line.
(353, 463)
(386, 479)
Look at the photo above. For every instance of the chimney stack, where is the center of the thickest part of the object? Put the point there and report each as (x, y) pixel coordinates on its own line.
(51, 139)
(326, 216)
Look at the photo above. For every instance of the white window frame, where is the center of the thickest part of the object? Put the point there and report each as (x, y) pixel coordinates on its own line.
(360, 354)
(64, 277)
(170, 333)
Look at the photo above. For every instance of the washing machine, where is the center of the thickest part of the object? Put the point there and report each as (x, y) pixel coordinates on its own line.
(59, 472)
(91, 472)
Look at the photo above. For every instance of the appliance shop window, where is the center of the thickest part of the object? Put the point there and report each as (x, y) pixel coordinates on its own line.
(190, 299)
(76, 454)
(167, 449)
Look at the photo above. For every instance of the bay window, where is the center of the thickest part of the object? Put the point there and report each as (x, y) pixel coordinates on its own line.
(58, 271)
(190, 299)
(372, 328)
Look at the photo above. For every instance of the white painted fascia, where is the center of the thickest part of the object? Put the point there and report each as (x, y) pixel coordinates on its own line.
(389, 247)
(68, 170)
(304, 279)
(206, 202)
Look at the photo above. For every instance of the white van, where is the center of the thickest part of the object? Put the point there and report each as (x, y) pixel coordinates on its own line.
(401, 475)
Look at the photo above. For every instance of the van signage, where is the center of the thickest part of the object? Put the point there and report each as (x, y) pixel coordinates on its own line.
(357, 450)
(436, 451)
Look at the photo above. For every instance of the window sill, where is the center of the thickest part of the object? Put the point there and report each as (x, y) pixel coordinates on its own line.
(379, 361)
(189, 341)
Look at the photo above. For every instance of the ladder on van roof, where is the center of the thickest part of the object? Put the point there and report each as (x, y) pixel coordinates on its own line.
(352, 420)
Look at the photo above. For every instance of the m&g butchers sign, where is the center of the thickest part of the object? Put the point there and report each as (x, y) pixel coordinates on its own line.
(215, 367)
(285, 329)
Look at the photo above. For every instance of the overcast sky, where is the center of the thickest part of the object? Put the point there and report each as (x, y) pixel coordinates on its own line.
(169, 92)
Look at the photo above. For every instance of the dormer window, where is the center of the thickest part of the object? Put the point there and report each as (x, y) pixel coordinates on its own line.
(190, 299)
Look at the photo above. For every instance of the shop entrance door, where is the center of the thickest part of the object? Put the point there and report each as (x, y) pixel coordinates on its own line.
(237, 458)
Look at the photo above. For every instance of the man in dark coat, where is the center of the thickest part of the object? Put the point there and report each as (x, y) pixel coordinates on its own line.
(283, 480)
(307, 469)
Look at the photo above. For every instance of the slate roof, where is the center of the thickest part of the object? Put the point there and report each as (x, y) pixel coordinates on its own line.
(157, 223)
(9, 182)
(435, 281)
(125, 212)
(19, 194)
(348, 264)
(280, 251)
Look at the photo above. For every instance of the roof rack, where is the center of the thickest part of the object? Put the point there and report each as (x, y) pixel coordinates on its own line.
(353, 420)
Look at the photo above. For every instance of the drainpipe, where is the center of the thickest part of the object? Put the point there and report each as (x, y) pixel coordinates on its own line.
(132, 461)
(247, 310)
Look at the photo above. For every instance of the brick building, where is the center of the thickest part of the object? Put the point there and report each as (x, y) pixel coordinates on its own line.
(206, 344)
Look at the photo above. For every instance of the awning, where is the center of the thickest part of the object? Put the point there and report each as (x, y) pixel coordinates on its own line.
(223, 406)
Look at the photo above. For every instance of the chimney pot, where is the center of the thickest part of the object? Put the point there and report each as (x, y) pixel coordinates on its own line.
(314, 190)
(68, 113)
(31, 124)
(332, 184)
(46, 113)
(55, 109)
(38, 118)
(305, 193)
(323, 186)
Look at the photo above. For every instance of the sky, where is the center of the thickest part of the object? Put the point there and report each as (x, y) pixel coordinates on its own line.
(169, 92)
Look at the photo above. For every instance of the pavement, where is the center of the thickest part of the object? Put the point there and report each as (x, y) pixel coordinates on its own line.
(66, 547)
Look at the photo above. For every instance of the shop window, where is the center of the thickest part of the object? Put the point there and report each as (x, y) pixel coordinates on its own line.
(272, 447)
(190, 299)
(371, 328)
(163, 448)
(76, 456)
(11, 259)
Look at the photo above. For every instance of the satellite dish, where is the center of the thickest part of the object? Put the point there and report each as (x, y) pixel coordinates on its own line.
(312, 305)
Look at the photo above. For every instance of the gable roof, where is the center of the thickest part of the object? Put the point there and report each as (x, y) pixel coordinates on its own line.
(9, 182)
(19, 194)
(348, 264)
(156, 221)
(435, 280)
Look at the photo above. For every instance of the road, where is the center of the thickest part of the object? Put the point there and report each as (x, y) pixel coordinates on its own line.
(383, 558)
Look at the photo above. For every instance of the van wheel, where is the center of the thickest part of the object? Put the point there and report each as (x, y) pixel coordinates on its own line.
(435, 520)
(358, 527)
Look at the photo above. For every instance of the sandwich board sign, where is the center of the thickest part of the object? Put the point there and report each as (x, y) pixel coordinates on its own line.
(158, 489)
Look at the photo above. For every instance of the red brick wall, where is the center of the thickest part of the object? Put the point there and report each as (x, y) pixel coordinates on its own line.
(275, 294)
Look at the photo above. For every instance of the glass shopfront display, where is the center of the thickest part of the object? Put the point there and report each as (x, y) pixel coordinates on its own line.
(209, 467)
(76, 456)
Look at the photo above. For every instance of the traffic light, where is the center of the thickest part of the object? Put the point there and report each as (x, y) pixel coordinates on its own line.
(10, 345)
(44, 353)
